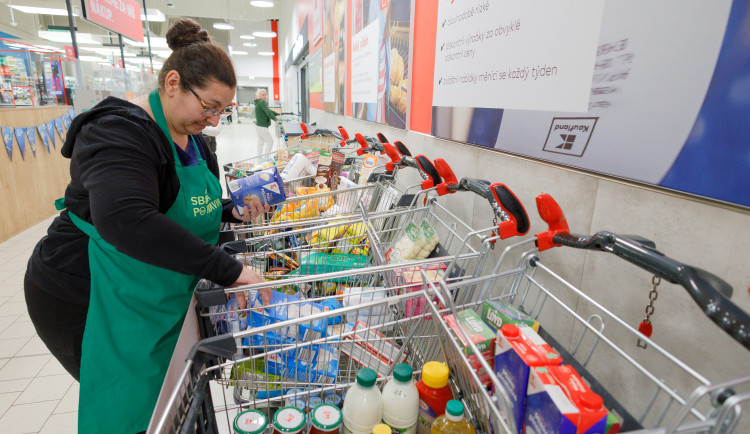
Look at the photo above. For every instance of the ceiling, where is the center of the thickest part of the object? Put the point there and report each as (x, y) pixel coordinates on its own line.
(239, 13)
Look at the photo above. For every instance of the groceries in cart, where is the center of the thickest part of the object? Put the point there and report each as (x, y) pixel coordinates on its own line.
(265, 187)
(480, 334)
(434, 394)
(298, 165)
(417, 242)
(329, 169)
(453, 421)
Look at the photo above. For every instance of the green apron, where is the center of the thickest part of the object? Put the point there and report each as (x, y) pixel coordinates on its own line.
(136, 310)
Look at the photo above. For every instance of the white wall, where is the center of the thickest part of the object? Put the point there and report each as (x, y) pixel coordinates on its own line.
(701, 234)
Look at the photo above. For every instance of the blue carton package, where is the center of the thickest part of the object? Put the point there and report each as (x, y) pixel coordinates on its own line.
(304, 371)
(285, 307)
(265, 187)
(270, 341)
(517, 351)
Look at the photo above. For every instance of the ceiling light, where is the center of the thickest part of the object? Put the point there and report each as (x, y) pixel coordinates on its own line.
(250, 44)
(153, 15)
(42, 11)
(241, 53)
(223, 26)
(266, 53)
(264, 34)
(247, 37)
(81, 38)
(91, 58)
(261, 3)
(251, 77)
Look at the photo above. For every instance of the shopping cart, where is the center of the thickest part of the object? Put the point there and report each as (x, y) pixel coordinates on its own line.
(280, 368)
(289, 249)
(391, 320)
(651, 390)
(285, 117)
(381, 195)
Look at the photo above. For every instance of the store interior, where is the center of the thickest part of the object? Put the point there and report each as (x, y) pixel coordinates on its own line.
(628, 184)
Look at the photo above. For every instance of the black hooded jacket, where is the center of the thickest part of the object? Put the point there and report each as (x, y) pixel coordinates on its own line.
(123, 181)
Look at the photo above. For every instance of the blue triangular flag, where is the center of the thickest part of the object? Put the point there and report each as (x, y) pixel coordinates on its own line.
(50, 126)
(8, 140)
(43, 134)
(31, 136)
(71, 113)
(59, 127)
(66, 121)
(21, 138)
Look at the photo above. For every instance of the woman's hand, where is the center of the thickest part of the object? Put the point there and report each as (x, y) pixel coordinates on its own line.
(248, 277)
(250, 212)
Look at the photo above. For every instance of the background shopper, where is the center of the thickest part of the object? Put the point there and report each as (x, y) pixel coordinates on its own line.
(263, 117)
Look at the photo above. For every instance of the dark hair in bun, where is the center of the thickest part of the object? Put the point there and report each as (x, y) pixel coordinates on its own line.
(196, 57)
(185, 32)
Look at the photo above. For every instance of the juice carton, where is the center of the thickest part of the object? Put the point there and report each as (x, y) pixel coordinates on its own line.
(265, 187)
(496, 314)
(558, 401)
(481, 335)
(412, 277)
(329, 169)
(517, 350)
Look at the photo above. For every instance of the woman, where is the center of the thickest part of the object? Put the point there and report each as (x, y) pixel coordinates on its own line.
(108, 288)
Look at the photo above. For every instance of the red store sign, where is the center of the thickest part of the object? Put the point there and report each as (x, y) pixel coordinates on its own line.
(120, 16)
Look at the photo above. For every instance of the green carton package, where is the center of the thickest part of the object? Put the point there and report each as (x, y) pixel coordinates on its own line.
(497, 314)
(319, 263)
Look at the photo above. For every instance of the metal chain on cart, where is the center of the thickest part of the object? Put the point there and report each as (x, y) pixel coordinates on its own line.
(645, 327)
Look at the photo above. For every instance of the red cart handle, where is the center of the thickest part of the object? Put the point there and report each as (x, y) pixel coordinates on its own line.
(344, 136)
(518, 221)
(553, 215)
(449, 182)
(382, 138)
(363, 146)
(391, 152)
(428, 171)
(305, 132)
(402, 148)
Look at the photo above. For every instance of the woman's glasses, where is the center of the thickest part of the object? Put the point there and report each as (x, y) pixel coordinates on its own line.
(210, 111)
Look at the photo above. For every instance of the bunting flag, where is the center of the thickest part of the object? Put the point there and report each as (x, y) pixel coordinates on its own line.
(50, 126)
(43, 134)
(21, 138)
(66, 121)
(8, 140)
(59, 127)
(31, 137)
(71, 113)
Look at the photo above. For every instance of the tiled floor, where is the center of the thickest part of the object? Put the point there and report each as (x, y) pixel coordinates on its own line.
(36, 394)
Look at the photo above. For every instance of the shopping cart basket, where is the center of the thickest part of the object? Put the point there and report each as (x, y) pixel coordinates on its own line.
(284, 363)
(650, 390)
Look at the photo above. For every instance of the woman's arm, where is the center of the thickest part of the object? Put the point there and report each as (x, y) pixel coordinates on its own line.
(119, 166)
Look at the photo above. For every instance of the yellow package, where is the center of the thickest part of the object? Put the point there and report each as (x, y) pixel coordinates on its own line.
(323, 238)
(308, 209)
(351, 239)
(286, 209)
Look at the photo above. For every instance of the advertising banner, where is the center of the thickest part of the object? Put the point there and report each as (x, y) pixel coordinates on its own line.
(119, 16)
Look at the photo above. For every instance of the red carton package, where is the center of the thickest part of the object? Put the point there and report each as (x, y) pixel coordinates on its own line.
(481, 335)
(558, 401)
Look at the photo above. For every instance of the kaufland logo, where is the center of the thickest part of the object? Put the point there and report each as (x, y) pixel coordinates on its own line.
(569, 136)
